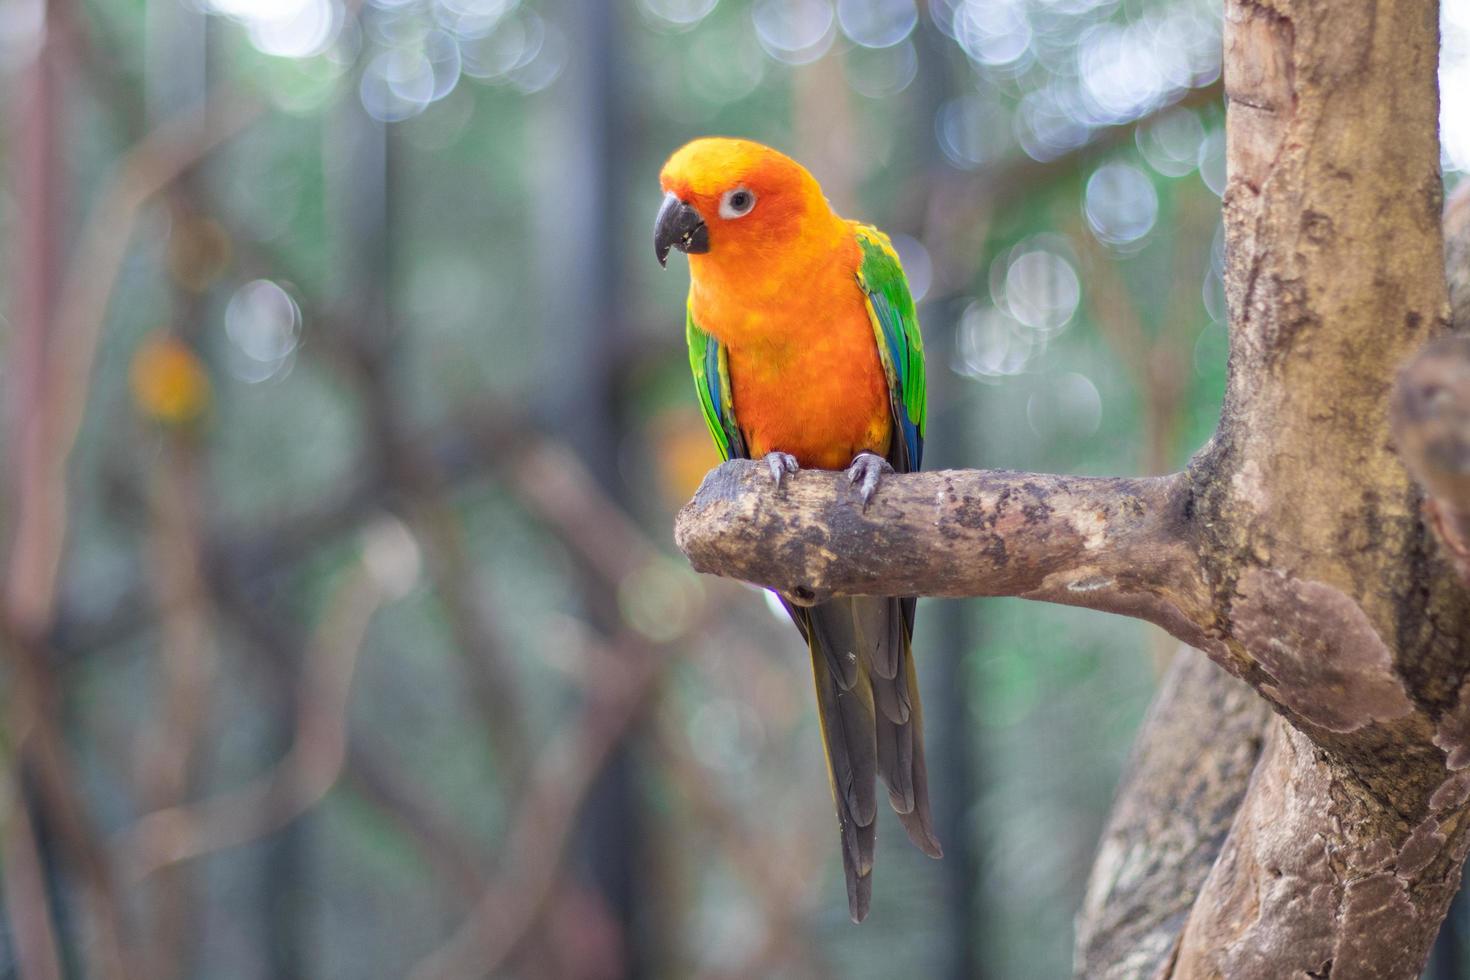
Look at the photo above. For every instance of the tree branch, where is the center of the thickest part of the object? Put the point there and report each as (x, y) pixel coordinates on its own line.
(1114, 544)
(1189, 770)
(183, 832)
(562, 777)
(51, 430)
(23, 887)
(1317, 879)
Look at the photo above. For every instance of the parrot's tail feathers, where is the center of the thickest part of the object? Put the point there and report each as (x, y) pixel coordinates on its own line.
(881, 623)
(880, 633)
(918, 820)
(885, 626)
(847, 722)
(859, 887)
(831, 631)
(896, 761)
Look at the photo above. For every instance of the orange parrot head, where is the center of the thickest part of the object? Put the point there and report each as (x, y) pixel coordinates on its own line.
(731, 201)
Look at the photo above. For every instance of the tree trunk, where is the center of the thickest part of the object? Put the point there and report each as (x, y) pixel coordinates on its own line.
(1296, 549)
(1191, 763)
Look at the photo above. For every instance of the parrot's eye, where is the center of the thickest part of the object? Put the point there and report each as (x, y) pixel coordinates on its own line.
(737, 203)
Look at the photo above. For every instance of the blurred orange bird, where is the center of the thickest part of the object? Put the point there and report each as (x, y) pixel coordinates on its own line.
(806, 351)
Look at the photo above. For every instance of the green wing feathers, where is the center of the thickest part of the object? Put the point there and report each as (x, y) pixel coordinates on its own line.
(711, 367)
(900, 344)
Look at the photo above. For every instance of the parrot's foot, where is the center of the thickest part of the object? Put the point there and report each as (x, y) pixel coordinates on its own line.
(781, 464)
(864, 473)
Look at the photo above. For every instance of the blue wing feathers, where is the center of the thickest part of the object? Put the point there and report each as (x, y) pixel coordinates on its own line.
(712, 377)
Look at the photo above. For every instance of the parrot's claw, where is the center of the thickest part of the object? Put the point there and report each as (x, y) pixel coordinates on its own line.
(865, 472)
(781, 464)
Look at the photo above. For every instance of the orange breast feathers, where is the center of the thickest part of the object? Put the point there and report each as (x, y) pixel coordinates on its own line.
(804, 367)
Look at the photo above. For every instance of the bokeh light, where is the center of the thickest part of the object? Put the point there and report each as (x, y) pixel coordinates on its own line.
(1170, 142)
(392, 555)
(540, 68)
(1071, 67)
(263, 324)
(285, 28)
(918, 266)
(472, 18)
(660, 599)
(796, 32)
(992, 32)
(1120, 70)
(1454, 83)
(991, 344)
(726, 734)
(972, 131)
(720, 69)
(677, 14)
(1121, 204)
(417, 50)
(168, 381)
(880, 73)
(877, 23)
(397, 84)
(1051, 122)
(513, 43)
(1041, 290)
(1212, 161)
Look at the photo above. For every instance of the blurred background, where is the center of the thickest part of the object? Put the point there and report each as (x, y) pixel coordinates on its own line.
(346, 412)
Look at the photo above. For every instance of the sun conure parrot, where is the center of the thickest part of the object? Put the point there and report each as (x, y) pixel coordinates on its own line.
(806, 353)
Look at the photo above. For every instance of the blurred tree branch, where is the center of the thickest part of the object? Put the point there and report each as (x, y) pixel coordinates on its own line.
(168, 751)
(51, 429)
(184, 832)
(1431, 402)
(413, 469)
(1431, 412)
(781, 884)
(367, 770)
(23, 881)
(562, 776)
(44, 431)
(619, 679)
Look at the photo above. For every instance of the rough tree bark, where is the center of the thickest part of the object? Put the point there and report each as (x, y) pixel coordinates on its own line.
(1295, 550)
(1190, 767)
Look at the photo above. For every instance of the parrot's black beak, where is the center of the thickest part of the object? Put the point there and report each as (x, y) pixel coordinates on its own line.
(678, 226)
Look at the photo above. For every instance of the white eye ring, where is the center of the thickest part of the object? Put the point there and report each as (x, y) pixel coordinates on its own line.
(737, 202)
